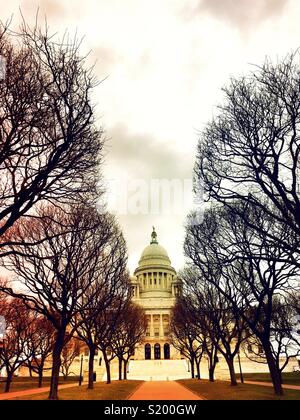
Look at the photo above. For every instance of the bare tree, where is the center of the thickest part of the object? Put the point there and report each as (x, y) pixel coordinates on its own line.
(130, 330)
(284, 338)
(211, 353)
(247, 268)
(50, 147)
(91, 318)
(136, 331)
(216, 317)
(40, 342)
(70, 351)
(62, 274)
(106, 325)
(185, 334)
(250, 151)
(13, 354)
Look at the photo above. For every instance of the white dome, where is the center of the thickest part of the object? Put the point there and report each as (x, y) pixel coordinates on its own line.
(154, 275)
(154, 254)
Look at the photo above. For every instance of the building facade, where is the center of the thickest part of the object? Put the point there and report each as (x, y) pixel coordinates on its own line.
(155, 287)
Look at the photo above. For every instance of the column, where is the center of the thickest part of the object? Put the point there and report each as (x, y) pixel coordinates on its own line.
(151, 326)
(161, 327)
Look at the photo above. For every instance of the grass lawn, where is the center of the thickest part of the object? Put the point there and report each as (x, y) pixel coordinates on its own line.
(114, 391)
(289, 378)
(22, 383)
(221, 390)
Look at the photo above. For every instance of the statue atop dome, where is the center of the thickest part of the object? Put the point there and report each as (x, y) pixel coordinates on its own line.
(153, 236)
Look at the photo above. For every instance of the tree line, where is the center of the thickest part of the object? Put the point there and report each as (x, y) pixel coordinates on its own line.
(30, 341)
(241, 282)
(68, 259)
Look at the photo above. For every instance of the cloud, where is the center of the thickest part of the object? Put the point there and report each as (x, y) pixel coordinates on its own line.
(105, 60)
(50, 8)
(142, 157)
(240, 13)
(145, 156)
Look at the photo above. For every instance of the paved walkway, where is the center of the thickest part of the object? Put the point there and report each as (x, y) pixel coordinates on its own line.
(297, 387)
(25, 392)
(163, 390)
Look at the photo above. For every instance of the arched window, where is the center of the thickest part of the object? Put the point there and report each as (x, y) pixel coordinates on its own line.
(167, 351)
(147, 351)
(157, 351)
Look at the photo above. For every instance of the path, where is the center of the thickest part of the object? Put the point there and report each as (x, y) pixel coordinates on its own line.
(163, 390)
(25, 392)
(297, 387)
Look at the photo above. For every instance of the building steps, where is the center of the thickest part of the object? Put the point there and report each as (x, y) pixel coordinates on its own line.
(158, 370)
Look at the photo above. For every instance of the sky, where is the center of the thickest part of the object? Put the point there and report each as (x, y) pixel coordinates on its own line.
(163, 64)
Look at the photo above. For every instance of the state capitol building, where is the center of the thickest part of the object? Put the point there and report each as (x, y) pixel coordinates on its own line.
(155, 287)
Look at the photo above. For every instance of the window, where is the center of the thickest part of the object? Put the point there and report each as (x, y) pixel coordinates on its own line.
(157, 351)
(167, 351)
(147, 351)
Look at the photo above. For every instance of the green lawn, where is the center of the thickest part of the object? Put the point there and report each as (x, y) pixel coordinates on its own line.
(289, 378)
(221, 390)
(22, 383)
(114, 391)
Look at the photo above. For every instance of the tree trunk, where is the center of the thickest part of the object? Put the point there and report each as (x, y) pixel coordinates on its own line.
(211, 374)
(274, 371)
(211, 369)
(30, 370)
(213, 360)
(56, 362)
(8, 381)
(230, 364)
(192, 363)
(198, 370)
(91, 367)
(107, 366)
(125, 369)
(120, 368)
(40, 376)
